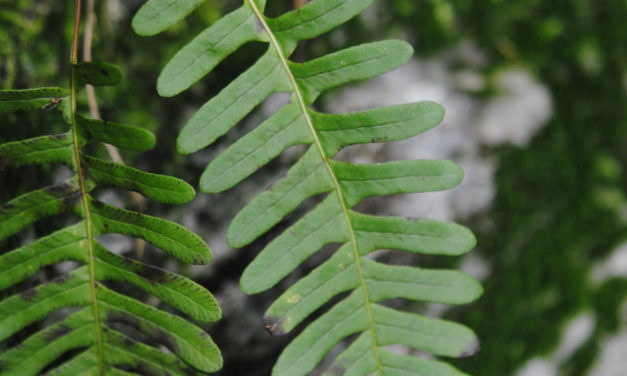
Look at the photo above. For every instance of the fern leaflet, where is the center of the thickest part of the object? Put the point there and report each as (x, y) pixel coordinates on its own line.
(96, 329)
(368, 282)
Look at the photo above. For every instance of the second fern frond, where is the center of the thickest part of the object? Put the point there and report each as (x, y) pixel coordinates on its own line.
(93, 335)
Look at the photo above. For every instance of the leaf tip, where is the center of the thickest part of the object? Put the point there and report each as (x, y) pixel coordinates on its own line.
(139, 26)
(234, 236)
(459, 174)
(275, 325)
(472, 239)
(403, 49)
(202, 258)
(479, 290)
(473, 347)
(164, 86)
(209, 185)
(183, 145)
(437, 110)
(151, 140)
(186, 193)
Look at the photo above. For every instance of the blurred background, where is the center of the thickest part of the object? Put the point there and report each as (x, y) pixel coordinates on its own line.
(535, 95)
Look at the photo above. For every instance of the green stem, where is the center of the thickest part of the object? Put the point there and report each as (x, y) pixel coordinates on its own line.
(325, 160)
(84, 197)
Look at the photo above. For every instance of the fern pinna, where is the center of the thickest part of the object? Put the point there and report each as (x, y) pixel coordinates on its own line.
(368, 282)
(94, 336)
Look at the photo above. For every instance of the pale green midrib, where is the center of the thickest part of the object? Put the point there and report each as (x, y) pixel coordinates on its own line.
(337, 187)
(89, 236)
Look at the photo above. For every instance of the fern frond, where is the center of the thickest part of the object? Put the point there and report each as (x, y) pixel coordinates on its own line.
(97, 329)
(369, 283)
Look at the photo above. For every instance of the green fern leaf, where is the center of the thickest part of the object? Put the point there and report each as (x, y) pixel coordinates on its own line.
(368, 283)
(123, 136)
(163, 14)
(98, 74)
(97, 328)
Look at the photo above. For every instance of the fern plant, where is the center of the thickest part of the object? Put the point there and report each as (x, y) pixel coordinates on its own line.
(93, 338)
(367, 282)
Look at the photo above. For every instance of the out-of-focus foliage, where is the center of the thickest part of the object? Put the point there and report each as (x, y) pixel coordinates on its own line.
(17, 28)
(560, 200)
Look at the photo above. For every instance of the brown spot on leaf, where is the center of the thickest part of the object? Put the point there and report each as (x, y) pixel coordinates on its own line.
(60, 136)
(472, 349)
(54, 102)
(104, 72)
(274, 325)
